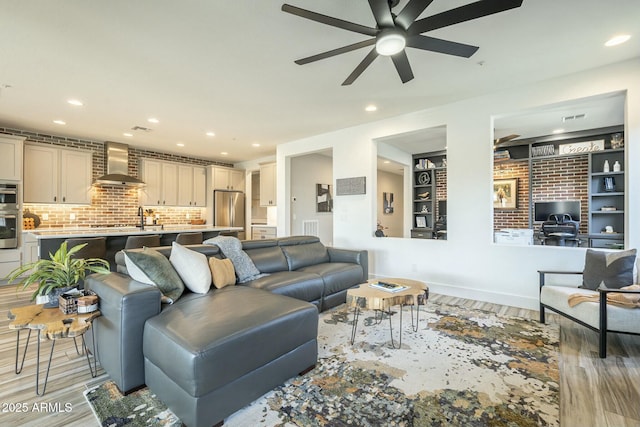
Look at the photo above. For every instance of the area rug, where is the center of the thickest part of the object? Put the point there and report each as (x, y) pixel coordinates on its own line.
(462, 367)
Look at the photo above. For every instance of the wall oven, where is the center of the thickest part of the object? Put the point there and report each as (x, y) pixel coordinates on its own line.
(9, 216)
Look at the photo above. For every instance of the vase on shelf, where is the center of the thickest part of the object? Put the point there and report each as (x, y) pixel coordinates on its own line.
(606, 166)
(616, 166)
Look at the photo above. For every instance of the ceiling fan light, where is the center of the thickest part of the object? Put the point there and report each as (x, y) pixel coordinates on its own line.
(390, 41)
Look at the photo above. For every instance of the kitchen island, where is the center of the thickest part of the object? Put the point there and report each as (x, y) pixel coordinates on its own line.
(40, 242)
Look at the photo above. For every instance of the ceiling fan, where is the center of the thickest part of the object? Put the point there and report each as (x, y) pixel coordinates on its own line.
(504, 139)
(394, 32)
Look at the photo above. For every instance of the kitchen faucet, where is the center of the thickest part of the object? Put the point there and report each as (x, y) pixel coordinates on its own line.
(141, 215)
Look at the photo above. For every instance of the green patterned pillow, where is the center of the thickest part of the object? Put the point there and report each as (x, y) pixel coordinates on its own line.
(151, 267)
(608, 269)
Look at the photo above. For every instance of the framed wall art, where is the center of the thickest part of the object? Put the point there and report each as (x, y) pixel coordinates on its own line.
(505, 193)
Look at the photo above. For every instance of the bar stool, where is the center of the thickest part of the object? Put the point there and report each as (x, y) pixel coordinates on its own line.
(148, 240)
(96, 247)
(194, 238)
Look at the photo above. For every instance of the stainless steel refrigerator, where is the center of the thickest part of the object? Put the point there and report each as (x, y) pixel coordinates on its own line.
(228, 209)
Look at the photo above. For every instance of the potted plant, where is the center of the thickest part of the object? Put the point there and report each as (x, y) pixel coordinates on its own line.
(56, 275)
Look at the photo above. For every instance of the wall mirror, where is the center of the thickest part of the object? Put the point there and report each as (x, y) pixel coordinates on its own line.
(559, 175)
(412, 185)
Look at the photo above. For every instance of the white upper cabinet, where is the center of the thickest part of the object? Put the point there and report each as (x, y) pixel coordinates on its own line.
(268, 184)
(227, 178)
(173, 184)
(152, 177)
(11, 157)
(56, 175)
(199, 186)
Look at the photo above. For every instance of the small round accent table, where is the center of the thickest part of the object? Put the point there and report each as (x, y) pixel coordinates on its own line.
(53, 324)
(366, 297)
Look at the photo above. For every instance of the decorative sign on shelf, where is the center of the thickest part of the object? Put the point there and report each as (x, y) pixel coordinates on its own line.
(543, 150)
(351, 186)
(582, 147)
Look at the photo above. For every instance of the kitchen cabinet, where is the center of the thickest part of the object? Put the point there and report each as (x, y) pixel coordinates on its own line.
(173, 184)
(268, 184)
(227, 179)
(191, 185)
(152, 177)
(263, 232)
(56, 175)
(11, 157)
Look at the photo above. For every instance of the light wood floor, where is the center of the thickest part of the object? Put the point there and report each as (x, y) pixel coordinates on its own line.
(593, 391)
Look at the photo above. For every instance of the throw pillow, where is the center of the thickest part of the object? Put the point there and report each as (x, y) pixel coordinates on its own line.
(151, 267)
(608, 269)
(192, 267)
(222, 272)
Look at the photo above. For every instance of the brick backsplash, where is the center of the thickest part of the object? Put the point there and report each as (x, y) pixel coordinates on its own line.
(556, 178)
(109, 204)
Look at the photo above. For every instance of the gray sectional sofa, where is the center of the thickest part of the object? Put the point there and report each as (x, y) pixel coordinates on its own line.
(208, 355)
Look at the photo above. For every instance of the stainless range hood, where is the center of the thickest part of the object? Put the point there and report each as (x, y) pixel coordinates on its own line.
(118, 167)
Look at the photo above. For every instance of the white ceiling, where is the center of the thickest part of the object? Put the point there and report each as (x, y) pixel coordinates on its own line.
(201, 65)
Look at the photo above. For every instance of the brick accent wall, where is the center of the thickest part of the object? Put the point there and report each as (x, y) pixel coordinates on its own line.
(555, 178)
(518, 217)
(441, 187)
(563, 178)
(109, 204)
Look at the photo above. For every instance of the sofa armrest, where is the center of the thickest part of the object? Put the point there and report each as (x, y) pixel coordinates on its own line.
(360, 257)
(543, 274)
(125, 305)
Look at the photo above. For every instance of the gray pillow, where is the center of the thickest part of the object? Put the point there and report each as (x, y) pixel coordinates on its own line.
(151, 267)
(608, 269)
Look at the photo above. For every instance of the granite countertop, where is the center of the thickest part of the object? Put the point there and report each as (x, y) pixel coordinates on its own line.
(68, 232)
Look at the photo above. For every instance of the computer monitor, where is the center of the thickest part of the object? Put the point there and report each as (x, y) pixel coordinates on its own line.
(542, 210)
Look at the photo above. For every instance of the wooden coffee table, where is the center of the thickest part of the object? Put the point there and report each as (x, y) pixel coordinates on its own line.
(365, 297)
(53, 324)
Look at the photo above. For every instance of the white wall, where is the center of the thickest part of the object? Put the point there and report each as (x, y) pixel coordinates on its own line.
(468, 264)
(306, 172)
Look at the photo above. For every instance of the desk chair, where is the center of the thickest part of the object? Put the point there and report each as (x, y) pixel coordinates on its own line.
(559, 229)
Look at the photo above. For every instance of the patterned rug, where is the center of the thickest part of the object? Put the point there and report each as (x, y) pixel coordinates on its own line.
(462, 367)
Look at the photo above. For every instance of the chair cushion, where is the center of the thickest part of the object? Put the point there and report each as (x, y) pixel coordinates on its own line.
(297, 284)
(608, 269)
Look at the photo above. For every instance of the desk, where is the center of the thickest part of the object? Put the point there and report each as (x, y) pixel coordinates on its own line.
(367, 297)
(54, 324)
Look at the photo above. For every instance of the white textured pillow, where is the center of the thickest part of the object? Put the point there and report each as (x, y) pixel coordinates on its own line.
(192, 267)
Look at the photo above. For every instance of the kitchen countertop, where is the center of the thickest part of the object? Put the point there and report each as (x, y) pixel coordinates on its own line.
(69, 232)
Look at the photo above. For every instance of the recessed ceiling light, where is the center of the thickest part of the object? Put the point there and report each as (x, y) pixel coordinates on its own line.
(255, 144)
(75, 102)
(224, 153)
(153, 120)
(370, 108)
(127, 134)
(180, 144)
(558, 130)
(60, 122)
(211, 134)
(386, 162)
(616, 40)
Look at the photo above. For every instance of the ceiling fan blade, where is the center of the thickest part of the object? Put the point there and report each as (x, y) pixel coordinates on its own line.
(401, 62)
(328, 20)
(441, 46)
(361, 67)
(411, 12)
(505, 139)
(462, 14)
(382, 13)
(335, 52)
